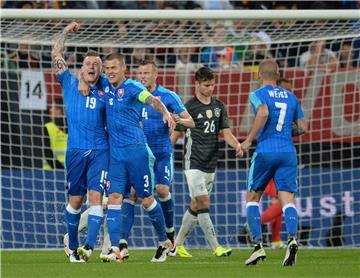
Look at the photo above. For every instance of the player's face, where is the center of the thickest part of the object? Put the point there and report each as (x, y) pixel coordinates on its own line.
(115, 71)
(205, 88)
(91, 69)
(147, 75)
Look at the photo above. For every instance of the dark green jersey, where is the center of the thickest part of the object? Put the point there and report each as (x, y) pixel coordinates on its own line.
(201, 142)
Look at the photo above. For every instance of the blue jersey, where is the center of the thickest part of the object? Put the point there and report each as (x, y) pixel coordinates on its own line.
(284, 108)
(85, 115)
(123, 114)
(156, 131)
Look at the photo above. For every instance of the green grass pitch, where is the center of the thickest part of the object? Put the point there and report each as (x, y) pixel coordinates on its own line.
(310, 263)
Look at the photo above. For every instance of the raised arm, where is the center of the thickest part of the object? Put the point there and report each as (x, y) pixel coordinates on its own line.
(57, 53)
(160, 107)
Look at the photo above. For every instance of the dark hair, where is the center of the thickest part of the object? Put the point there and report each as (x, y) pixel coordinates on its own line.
(112, 56)
(147, 62)
(282, 80)
(204, 74)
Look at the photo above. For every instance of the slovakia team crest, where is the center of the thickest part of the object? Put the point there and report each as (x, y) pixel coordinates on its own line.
(101, 93)
(107, 185)
(120, 92)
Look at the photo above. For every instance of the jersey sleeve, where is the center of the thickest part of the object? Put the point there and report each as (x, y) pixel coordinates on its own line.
(66, 79)
(255, 101)
(176, 105)
(224, 121)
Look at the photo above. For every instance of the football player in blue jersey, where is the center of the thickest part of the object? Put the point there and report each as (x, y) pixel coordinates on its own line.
(87, 152)
(278, 117)
(158, 138)
(131, 160)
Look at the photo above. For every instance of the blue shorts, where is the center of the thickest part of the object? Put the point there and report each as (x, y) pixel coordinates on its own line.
(280, 166)
(163, 168)
(131, 166)
(86, 170)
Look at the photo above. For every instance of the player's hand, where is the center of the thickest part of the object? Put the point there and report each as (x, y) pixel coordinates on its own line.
(239, 150)
(245, 146)
(83, 87)
(167, 118)
(72, 27)
(176, 118)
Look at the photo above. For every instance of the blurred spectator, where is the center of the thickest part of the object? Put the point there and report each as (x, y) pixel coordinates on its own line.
(64, 4)
(239, 32)
(25, 56)
(219, 57)
(106, 50)
(346, 55)
(215, 4)
(55, 137)
(285, 83)
(128, 4)
(137, 55)
(319, 57)
(26, 5)
(258, 50)
(186, 60)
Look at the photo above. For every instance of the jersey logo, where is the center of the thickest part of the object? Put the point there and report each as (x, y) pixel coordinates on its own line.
(120, 92)
(199, 116)
(217, 112)
(111, 101)
(107, 89)
(209, 114)
(101, 93)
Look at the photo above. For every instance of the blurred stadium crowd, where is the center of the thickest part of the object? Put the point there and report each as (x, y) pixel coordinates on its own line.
(328, 55)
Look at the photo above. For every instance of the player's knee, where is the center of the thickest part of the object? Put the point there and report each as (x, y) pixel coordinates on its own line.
(147, 201)
(253, 196)
(162, 191)
(115, 199)
(203, 202)
(76, 201)
(95, 198)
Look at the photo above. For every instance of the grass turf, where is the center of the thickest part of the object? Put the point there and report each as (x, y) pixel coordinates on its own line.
(310, 263)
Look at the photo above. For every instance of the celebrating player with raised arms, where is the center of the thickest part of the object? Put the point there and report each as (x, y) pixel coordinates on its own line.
(87, 152)
(276, 112)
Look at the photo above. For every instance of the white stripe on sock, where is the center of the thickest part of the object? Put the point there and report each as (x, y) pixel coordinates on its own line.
(167, 198)
(96, 210)
(71, 210)
(289, 205)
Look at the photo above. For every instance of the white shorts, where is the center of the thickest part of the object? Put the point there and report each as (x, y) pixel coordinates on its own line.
(199, 182)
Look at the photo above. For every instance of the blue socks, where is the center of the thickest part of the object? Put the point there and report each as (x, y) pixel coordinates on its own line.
(72, 217)
(167, 206)
(95, 220)
(114, 223)
(127, 219)
(157, 220)
(291, 219)
(254, 221)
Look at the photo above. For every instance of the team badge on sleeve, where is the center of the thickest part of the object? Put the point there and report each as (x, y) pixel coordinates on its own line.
(217, 112)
